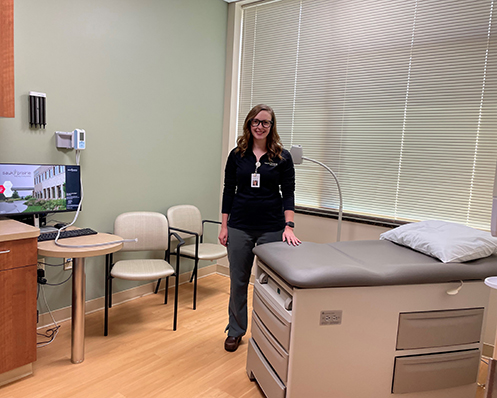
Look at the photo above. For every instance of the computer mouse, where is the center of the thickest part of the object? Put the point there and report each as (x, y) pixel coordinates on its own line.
(59, 226)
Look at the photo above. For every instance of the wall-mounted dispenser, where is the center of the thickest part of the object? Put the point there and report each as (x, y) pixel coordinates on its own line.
(37, 109)
(64, 140)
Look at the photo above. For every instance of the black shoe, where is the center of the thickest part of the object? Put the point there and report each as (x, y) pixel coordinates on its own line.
(231, 343)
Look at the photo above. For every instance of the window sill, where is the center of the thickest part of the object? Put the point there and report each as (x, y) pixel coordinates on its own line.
(357, 218)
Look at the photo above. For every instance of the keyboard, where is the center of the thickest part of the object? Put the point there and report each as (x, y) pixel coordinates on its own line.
(72, 233)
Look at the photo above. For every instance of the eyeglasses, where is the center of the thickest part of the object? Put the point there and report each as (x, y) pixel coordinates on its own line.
(265, 123)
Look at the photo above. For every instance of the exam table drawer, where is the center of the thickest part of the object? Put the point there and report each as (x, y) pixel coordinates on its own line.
(435, 371)
(258, 368)
(278, 327)
(439, 328)
(273, 352)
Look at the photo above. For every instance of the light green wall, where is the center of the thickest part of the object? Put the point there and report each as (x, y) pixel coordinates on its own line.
(145, 79)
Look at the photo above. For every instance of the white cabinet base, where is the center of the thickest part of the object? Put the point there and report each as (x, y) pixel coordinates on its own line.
(343, 341)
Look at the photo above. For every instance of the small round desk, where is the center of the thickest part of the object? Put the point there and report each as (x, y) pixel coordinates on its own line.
(50, 249)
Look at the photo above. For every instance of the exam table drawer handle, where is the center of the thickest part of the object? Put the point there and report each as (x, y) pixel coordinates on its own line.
(288, 303)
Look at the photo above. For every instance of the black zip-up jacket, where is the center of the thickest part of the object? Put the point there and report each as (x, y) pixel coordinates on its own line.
(258, 209)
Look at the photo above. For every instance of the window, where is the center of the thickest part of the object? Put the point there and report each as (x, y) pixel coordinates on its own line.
(399, 98)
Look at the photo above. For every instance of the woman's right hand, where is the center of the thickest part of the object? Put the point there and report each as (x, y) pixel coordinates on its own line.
(223, 235)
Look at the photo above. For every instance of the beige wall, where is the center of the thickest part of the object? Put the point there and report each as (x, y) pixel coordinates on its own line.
(324, 230)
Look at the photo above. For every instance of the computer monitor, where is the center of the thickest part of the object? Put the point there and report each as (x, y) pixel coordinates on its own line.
(28, 191)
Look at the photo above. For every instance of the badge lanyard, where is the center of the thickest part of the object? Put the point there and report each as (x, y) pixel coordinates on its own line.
(256, 177)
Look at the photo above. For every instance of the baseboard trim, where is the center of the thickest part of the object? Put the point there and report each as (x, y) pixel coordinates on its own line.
(16, 374)
(64, 314)
(225, 271)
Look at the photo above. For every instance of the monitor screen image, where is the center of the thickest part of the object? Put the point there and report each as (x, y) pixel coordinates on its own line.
(38, 188)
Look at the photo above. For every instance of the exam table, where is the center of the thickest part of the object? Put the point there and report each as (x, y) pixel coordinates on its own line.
(366, 319)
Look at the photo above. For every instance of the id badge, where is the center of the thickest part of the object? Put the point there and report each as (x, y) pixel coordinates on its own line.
(256, 180)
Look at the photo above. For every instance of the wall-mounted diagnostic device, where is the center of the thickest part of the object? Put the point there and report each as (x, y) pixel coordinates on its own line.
(79, 139)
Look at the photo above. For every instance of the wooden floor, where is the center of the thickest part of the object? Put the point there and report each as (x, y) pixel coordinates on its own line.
(143, 356)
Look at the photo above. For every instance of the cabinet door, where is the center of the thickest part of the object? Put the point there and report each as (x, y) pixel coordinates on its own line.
(17, 317)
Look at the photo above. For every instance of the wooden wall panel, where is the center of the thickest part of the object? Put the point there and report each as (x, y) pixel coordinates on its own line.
(7, 108)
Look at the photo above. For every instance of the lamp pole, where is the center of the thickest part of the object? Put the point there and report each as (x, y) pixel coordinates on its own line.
(297, 155)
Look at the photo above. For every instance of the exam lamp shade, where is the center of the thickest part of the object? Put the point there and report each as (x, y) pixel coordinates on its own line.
(297, 154)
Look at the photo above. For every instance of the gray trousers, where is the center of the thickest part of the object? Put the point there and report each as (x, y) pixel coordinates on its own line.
(241, 258)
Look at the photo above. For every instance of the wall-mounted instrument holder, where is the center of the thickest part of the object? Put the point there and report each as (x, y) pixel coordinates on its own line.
(37, 109)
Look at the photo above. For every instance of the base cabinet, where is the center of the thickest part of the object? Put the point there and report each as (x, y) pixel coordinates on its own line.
(410, 341)
(18, 275)
(17, 317)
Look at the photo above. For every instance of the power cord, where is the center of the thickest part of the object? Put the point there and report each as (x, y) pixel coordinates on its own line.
(41, 276)
(43, 263)
(60, 283)
(56, 241)
(50, 333)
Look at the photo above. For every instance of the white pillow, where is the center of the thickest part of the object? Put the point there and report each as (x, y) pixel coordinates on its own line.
(447, 241)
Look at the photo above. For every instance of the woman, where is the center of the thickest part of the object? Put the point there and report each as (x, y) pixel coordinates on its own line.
(254, 211)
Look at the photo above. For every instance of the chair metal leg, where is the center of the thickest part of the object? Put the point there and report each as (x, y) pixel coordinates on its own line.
(167, 290)
(157, 287)
(195, 272)
(110, 291)
(175, 321)
(195, 286)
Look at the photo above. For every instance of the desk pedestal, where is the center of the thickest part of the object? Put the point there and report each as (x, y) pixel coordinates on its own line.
(78, 311)
(78, 249)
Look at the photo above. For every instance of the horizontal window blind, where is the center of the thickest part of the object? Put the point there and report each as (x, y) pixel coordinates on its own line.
(398, 98)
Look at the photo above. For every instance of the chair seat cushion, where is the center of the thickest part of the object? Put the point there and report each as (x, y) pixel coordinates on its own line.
(142, 269)
(206, 251)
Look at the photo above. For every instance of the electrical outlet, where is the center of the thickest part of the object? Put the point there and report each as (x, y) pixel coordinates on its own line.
(41, 262)
(67, 264)
(331, 317)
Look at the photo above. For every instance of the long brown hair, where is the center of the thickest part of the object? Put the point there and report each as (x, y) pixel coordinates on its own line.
(273, 141)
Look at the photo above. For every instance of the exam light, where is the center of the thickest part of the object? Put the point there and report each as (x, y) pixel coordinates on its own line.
(298, 156)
